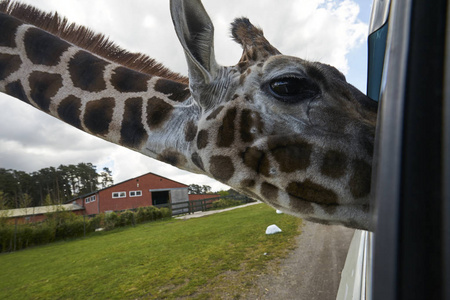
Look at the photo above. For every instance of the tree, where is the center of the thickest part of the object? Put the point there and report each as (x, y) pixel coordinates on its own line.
(50, 185)
(106, 178)
(199, 189)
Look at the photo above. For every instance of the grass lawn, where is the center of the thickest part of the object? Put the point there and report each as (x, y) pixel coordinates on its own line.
(202, 258)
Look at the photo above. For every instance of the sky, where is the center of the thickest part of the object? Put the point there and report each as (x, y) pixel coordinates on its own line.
(329, 31)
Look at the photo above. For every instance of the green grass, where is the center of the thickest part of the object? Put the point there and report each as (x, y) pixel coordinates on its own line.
(200, 258)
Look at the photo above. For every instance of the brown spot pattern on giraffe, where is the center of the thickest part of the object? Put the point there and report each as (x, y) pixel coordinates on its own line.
(197, 160)
(8, 30)
(43, 48)
(190, 131)
(129, 81)
(9, 64)
(98, 115)
(176, 91)
(248, 183)
(158, 112)
(225, 134)
(251, 125)
(43, 87)
(86, 71)
(311, 192)
(256, 160)
(133, 134)
(69, 110)
(334, 164)
(360, 179)
(291, 154)
(172, 157)
(202, 139)
(221, 167)
(15, 89)
(269, 191)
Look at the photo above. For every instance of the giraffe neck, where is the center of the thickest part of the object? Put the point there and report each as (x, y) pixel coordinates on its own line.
(140, 111)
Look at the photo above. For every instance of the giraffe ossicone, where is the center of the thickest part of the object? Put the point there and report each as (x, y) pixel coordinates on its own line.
(280, 129)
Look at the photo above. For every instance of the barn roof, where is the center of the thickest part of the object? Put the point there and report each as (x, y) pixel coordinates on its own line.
(39, 210)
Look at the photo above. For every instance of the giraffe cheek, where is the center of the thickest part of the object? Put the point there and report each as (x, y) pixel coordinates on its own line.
(256, 160)
(291, 154)
(225, 134)
(360, 180)
(250, 126)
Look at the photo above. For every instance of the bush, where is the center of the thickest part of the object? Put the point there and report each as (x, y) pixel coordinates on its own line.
(69, 229)
(126, 218)
(145, 214)
(95, 222)
(224, 203)
(165, 212)
(64, 225)
(6, 237)
(111, 220)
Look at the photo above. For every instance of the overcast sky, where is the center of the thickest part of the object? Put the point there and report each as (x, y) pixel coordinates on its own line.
(330, 31)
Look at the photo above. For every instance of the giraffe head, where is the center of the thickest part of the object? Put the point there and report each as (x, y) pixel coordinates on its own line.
(281, 129)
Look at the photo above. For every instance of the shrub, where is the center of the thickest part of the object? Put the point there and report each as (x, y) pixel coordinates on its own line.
(43, 233)
(6, 237)
(126, 218)
(111, 220)
(166, 212)
(140, 215)
(69, 229)
(95, 222)
(64, 225)
(224, 203)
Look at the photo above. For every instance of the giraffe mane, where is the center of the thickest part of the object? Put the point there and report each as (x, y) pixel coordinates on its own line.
(87, 39)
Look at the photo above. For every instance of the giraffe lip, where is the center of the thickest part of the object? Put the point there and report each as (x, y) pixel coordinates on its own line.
(313, 201)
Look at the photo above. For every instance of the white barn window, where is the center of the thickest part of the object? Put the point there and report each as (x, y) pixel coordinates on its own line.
(135, 193)
(119, 194)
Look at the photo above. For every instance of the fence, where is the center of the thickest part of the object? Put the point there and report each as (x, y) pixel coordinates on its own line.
(189, 207)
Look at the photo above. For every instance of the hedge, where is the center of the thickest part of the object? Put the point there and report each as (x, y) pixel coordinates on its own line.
(66, 225)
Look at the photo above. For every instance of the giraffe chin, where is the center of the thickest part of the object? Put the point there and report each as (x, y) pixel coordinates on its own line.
(350, 215)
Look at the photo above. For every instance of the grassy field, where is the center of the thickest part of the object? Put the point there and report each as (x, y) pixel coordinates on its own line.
(209, 257)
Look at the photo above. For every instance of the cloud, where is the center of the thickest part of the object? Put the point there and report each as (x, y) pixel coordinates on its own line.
(324, 30)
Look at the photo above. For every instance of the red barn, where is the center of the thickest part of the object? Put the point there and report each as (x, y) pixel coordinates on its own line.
(145, 190)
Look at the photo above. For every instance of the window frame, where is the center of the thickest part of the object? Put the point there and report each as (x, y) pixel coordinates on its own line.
(121, 194)
(136, 193)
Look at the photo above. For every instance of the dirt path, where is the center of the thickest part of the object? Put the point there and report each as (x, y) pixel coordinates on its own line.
(310, 272)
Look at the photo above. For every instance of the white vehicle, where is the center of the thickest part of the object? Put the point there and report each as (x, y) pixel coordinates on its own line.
(408, 255)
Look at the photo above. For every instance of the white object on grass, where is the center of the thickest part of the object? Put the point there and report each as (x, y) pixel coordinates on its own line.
(279, 211)
(272, 229)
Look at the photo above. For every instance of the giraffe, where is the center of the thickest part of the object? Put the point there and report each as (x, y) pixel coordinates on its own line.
(280, 129)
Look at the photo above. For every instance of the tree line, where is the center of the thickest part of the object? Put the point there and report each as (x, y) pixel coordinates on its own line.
(51, 185)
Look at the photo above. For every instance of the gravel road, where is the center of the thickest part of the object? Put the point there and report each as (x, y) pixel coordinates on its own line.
(312, 271)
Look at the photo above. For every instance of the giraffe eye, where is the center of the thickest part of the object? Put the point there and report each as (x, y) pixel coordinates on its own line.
(293, 89)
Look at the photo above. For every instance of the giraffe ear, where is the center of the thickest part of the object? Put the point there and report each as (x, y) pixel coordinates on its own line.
(196, 34)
